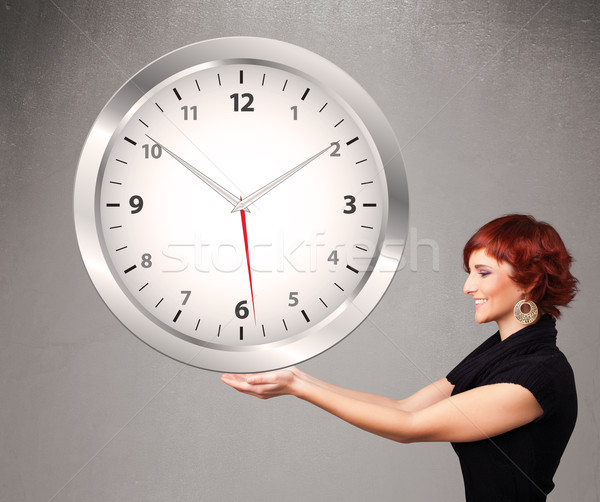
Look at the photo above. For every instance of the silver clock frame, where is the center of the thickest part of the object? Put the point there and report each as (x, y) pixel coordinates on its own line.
(253, 358)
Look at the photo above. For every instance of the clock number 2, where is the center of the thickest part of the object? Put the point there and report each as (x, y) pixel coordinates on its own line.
(246, 107)
(336, 150)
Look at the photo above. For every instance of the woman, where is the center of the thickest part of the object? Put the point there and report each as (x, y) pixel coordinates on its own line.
(510, 406)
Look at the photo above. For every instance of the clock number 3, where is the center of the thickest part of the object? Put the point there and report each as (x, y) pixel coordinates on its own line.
(350, 200)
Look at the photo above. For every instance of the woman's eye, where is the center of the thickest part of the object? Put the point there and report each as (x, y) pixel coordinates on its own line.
(483, 274)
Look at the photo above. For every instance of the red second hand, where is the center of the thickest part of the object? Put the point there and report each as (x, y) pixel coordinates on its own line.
(243, 213)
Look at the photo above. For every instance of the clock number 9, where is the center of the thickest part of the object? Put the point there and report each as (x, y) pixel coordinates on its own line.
(350, 200)
(236, 102)
(137, 203)
(241, 311)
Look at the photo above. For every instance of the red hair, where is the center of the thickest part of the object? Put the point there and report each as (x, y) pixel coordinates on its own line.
(537, 254)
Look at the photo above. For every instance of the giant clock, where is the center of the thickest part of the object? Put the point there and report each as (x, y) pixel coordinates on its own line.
(241, 204)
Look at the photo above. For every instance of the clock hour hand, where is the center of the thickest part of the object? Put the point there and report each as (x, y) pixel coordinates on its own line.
(227, 195)
(252, 198)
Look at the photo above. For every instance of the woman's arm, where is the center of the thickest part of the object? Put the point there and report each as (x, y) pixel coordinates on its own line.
(431, 394)
(473, 415)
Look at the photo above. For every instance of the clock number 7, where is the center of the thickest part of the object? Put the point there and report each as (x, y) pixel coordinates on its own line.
(187, 296)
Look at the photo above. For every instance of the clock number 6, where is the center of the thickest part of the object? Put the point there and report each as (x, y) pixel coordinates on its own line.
(241, 311)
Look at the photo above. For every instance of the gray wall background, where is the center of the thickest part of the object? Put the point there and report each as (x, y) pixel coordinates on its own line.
(496, 106)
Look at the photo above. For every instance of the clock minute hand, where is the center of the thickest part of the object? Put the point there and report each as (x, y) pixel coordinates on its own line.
(252, 198)
(227, 195)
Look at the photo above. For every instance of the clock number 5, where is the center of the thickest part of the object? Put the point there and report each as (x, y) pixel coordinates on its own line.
(293, 299)
(246, 107)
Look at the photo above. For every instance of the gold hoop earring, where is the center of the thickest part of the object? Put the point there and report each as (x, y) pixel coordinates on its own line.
(526, 317)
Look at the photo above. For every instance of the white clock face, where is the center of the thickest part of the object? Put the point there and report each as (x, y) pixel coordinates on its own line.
(235, 210)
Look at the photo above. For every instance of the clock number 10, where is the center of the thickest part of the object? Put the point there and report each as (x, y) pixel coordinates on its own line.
(154, 151)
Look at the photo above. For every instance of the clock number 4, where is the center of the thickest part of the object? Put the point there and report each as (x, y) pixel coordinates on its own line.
(245, 107)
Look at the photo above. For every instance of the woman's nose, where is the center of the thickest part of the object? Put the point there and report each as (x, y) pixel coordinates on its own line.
(469, 286)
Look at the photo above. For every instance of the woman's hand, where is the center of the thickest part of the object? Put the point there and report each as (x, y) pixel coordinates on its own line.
(265, 385)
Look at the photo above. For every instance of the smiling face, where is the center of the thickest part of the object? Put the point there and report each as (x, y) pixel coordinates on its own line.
(494, 292)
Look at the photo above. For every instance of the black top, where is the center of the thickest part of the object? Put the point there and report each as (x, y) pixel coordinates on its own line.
(519, 465)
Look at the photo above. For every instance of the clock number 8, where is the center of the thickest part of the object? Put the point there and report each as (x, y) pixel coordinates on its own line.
(146, 260)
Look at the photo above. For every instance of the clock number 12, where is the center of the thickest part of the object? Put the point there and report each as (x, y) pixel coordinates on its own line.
(246, 107)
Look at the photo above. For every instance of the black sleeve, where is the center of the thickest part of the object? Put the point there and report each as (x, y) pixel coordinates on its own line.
(541, 377)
